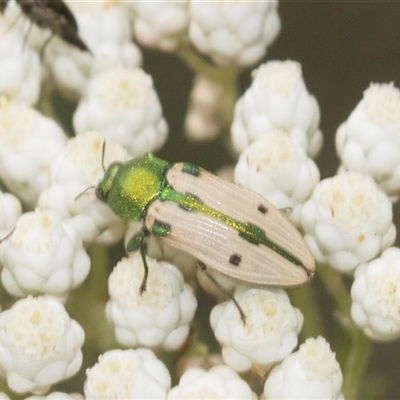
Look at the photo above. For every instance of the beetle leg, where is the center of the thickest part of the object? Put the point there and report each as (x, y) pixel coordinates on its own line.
(142, 235)
(223, 290)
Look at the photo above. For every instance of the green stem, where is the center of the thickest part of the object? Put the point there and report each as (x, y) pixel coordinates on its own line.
(303, 299)
(359, 351)
(226, 77)
(356, 364)
(334, 284)
(99, 272)
(202, 67)
(88, 302)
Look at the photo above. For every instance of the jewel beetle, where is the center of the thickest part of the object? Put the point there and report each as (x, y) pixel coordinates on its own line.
(54, 15)
(228, 228)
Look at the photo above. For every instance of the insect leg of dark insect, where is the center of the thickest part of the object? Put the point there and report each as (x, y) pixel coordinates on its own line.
(26, 35)
(45, 45)
(223, 290)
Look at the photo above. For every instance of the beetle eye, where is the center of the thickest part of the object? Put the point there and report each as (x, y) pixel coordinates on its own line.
(100, 194)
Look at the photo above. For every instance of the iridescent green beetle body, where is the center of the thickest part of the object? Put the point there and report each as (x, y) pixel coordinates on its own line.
(226, 227)
(128, 188)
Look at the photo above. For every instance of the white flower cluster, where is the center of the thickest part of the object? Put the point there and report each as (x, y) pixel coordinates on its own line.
(43, 255)
(269, 334)
(157, 318)
(376, 296)
(277, 98)
(10, 211)
(76, 168)
(277, 167)
(347, 221)
(40, 345)
(20, 66)
(161, 25)
(310, 373)
(369, 141)
(127, 374)
(20, 75)
(122, 104)
(230, 33)
(29, 142)
(43, 252)
(219, 382)
(235, 33)
(105, 28)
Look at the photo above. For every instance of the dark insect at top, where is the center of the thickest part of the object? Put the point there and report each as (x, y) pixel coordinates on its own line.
(54, 15)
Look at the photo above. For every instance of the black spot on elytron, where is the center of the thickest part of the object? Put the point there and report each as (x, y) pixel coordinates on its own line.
(263, 209)
(191, 169)
(235, 259)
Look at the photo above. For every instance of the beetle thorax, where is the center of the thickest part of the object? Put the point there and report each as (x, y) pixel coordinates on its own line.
(137, 183)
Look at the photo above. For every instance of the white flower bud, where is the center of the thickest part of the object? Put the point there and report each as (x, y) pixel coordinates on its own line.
(40, 345)
(29, 142)
(312, 372)
(105, 29)
(57, 396)
(375, 294)
(227, 173)
(127, 374)
(43, 255)
(277, 98)
(10, 211)
(122, 104)
(161, 24)
(157, 249)
(347, 221)
(157, 318)
(278, 168)
(204, 119)
(19, 65)
(368, 142)
(76, 169)
(269, 334)
(220, 382)
(233, 33)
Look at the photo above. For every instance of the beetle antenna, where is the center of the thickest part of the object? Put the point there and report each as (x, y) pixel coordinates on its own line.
(7, 236)
(82, 193)
(223, 290)
(103, 152)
